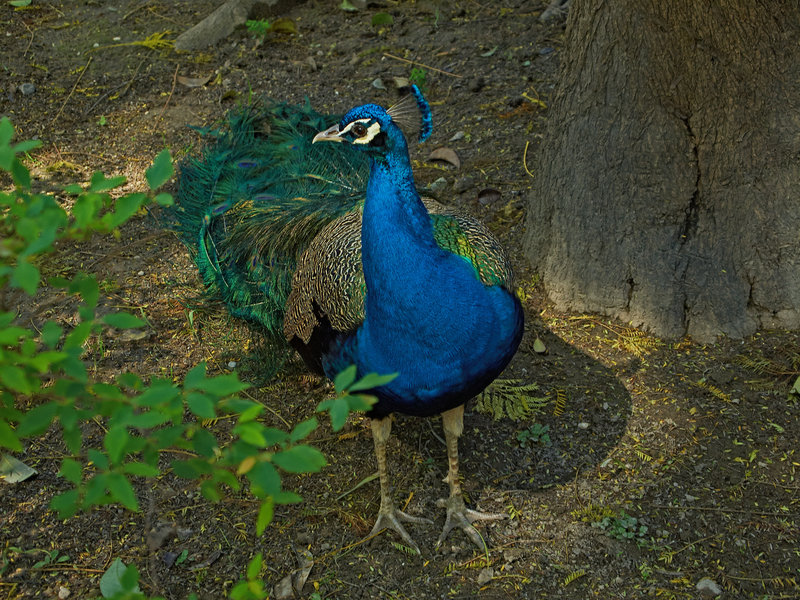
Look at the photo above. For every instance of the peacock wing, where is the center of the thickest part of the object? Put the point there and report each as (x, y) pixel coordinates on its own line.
(460, 234)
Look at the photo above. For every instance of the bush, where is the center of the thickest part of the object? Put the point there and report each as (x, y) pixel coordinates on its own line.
(43, 380)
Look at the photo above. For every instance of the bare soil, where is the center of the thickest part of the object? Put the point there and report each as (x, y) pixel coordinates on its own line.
(667, 462)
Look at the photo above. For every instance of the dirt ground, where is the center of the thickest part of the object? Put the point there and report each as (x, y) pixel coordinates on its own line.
(664, 462)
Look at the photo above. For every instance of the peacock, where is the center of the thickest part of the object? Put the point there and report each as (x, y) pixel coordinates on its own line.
(318, 234)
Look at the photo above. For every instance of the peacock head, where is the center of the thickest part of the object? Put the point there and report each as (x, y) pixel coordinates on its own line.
(375, 130)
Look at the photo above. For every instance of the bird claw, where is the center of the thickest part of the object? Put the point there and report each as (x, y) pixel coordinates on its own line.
(391, 520)
(458, 515)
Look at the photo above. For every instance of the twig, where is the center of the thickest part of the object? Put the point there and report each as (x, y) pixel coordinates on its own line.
(172, 91)
(525, 160)
(30, 41)
(415, 63)
(72, 91)
(127, 86)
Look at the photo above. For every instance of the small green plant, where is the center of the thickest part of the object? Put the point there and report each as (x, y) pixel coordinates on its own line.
(535, 434)
(418, 75)
(258, 28)
(380, 19)
(621, 527)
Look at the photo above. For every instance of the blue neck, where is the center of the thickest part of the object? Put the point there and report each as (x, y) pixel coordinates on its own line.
(399, 253)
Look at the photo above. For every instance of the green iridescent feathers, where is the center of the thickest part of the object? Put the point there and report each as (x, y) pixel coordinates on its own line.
(268, 214)
(256, 197)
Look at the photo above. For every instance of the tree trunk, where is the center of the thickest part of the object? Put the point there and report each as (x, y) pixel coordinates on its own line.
(669, 179)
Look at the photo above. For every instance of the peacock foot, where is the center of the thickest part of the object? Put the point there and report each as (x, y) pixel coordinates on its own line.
(458, 515)
(390, 519)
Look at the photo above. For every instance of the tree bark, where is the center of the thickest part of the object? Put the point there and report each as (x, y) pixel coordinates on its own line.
(669, 178)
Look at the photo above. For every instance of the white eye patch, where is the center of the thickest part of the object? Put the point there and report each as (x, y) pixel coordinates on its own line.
(367, 137)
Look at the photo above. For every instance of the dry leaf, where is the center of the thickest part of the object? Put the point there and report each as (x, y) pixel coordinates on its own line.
(447, 155)
(193, 82)
(488, 195)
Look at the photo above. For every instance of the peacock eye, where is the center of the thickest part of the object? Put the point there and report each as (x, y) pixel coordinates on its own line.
(359, 130)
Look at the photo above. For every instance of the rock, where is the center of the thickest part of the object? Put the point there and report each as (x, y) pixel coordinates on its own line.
(458, 135)
(438, 186)
(462, 184)
(477, 84)
(27, 89)
(378, 84)
(708, 588)
(485, 576)
(283, 589)
(63, 593)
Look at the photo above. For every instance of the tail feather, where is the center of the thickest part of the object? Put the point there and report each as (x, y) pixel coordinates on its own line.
(257, 195)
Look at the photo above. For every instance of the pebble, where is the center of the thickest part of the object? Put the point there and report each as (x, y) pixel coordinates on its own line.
(378, 84)
(27, 89)
(63, 592)
(232, 364)
(458, 135)
(462, 184)
(583, 425)
(477, 84)
(438, 186)
(140, 273)
(708, 588)
(485, 576)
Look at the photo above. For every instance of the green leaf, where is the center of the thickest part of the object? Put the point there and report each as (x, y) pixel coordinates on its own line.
(19, 3)
(338, 408)
(370, 381)
(302, 430)
(382, 18)
(51, 334)
(254, 567)
(201, 405)
(85, 209)
(164, 199)
(6, 134)
(265, 514)
(122, 491)
(125, 207)
(25, 277)
(224, 385)
(344, 379)
(37, 420)
(195, 377)
(161, 171)
(66, 504)
(71, 471)
(88, 289)
(300, 459)
(264, 479)
(97, 458)
(8, 438)
(79, 335)
(123, 320)
(10, 336)
(119, 580)
(20, 175)
(99, 182)
(115, 442)
(204, 443)
(15, 379)
(252, 433)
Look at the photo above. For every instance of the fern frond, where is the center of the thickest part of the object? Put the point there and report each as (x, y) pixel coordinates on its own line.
(561, 402)
(711, 388)
(510, 398)
(572, 577)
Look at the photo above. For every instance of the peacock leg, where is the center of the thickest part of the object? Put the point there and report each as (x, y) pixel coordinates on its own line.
(388, 516)
(458, 515)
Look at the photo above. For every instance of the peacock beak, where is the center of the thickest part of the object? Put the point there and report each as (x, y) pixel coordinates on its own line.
(331, 134)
